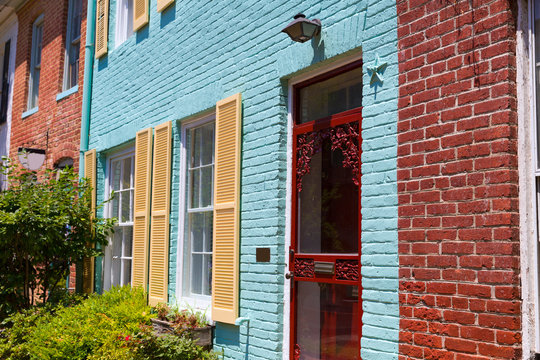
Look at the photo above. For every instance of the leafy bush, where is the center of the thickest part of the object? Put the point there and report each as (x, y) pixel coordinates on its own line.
(45, 224)
(112, 326)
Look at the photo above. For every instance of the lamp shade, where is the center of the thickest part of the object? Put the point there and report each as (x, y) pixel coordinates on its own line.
(31, 159)
(302, 29)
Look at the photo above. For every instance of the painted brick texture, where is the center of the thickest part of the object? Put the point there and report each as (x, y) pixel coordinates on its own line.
(189, 57)
(457, 180)
(56, 125)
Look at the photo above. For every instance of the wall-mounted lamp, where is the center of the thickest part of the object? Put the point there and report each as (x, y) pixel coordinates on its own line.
(302, 29)
(31, 159)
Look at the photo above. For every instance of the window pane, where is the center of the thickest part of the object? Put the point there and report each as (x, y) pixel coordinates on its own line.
(117, 242)
(196, 274)
(126, 178)
(209, 223)
(196, 148)
(328, 97)
(116, 170)
(207, 173)
(207, 275)
(126, 206)
(128, 241)
(127, 272)
(115, 272)
(207, 154)
(195, 183)
(196, 226)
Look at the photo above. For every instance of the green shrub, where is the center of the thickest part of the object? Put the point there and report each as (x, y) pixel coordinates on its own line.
(112, 326)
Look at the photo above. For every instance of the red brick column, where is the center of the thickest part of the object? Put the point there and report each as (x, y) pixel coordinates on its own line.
(457, 180)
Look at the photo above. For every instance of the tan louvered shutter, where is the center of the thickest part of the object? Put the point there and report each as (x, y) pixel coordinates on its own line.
(140, 14)
(226, 206)
(141, 206)
(163, 4)
(159, 228)
(90, 174)
(102, 27)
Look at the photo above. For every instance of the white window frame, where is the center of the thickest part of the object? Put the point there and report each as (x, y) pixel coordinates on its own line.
(198, 302)
(71, 40)
(124, 21)
(33, 65)
(107, 258)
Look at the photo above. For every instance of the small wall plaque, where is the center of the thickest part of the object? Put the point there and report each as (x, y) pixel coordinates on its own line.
(263, 255)
(324, 268)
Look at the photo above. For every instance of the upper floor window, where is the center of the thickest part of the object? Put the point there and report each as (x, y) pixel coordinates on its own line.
(4, 96)
(124, 21)
(35, 63)
(118, 255)
(73, 44)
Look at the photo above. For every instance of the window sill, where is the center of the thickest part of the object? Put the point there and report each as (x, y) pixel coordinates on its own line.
(66, 93)
(30, 112)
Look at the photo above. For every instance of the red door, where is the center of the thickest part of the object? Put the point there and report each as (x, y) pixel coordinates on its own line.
(326, 308)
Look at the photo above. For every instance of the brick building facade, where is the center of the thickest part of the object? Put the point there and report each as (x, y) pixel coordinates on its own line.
(459, 241)
(53, 124)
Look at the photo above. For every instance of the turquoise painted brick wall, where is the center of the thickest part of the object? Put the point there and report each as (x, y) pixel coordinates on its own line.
(197, 53)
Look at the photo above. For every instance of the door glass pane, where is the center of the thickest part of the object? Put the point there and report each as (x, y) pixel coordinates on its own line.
(328, 206)
(327, 321)
(332, 96)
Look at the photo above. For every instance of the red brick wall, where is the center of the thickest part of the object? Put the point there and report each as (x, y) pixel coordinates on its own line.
(61, 119)
(457, 180)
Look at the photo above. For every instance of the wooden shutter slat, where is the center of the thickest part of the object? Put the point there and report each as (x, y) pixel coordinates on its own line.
(141, 207)
(163, 4)
(91, 174)
(226, 210)
(140, 14)
(159, 229)
(102, 27)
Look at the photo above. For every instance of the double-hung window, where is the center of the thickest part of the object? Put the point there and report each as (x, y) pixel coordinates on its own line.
(73, 44)
(198, 212)
(118, 255)
(35, 63)
(124, 21)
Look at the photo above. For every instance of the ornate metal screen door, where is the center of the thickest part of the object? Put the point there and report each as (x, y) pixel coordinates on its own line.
(324, 271)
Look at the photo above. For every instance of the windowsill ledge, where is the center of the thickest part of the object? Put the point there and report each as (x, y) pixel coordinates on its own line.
(30, 112)
(66, 93)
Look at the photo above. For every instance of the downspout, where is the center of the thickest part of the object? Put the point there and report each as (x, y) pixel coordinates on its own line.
(86, 102)
(87, 83)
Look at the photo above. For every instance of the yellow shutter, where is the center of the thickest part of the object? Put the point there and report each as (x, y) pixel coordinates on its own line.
(102, 27)
(140, 14)
(226, 214)
(90, 174)
(159, 229)
(163, 4)
(141, 206)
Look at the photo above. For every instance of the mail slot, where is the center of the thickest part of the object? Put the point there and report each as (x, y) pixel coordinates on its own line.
(324, 268)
